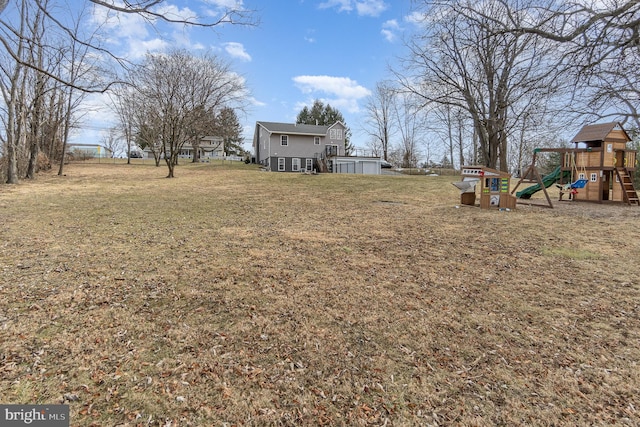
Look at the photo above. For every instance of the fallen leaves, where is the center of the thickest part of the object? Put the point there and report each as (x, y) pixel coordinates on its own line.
(412, 313)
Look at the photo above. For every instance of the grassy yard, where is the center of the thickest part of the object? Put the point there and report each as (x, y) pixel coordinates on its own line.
(230, 296)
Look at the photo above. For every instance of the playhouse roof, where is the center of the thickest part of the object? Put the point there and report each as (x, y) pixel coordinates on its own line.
(598, 132)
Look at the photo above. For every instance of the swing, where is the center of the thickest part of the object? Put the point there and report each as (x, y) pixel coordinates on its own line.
(573, 187)
(580, 182)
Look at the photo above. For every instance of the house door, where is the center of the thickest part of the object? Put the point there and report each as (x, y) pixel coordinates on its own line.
(607, 179)
(619, 155)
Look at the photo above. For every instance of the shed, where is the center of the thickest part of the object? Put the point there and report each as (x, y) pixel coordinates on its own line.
(355, 164)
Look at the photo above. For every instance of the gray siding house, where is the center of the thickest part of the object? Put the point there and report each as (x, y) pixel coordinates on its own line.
(294, 147)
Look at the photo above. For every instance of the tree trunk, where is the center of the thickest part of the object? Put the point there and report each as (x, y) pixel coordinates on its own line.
(12, 158)
(170, 165)
(450, 134)
(35, 134)
(460, 140)
(32, 168)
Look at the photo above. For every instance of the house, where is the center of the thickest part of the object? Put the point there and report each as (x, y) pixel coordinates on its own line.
(296, 147)
(88, 151)
(210, 147)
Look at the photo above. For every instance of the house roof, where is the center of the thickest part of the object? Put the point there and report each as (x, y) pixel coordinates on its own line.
(211, 138)
(81, 144)
(597, 132)
(294, 128)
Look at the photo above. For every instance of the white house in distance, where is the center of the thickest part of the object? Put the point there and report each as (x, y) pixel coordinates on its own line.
(88, 150)
(211, 147)
(295, 147)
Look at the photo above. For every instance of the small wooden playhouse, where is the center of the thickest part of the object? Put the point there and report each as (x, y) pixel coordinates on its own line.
(494, 188)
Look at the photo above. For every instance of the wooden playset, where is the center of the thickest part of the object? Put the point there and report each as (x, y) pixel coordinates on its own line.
(598, 169)
(494, 188)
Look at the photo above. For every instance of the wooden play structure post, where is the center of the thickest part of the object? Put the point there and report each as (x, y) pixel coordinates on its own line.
(600, 170)
(494, 188)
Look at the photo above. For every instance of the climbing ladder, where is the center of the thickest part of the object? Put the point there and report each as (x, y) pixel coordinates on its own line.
(628, 189)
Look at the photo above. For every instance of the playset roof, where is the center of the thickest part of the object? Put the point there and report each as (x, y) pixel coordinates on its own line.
(598, 132)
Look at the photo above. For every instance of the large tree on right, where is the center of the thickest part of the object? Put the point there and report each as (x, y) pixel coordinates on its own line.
(461, 58)
(600, 45)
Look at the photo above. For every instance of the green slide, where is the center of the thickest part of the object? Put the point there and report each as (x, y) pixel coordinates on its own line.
(547, 180)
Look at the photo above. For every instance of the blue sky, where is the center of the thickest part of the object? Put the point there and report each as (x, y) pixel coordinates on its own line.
(332, 50)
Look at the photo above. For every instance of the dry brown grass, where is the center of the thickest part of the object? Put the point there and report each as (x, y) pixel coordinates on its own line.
(229, 296)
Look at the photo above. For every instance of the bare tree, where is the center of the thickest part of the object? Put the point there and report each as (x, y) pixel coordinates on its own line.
(448, 120)
(122, 102)
(374, 146)
(409, 118)
(38, 98)
(462, 60)
(12, 87)
(49, 52)
(80, 70)
(379, 116)
(228, 127)
(181, 94)
(153, 12)
(111, 140)
(36, 107)
(600, 45)
(148, 135)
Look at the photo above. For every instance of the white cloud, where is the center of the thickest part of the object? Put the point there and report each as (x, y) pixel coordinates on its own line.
(342, 5)
(391, 24)
(415, 18)
(219, 7)
(236, 4)
(256, 102)
(371, 7)
(174, 13)
(390, 29)
(140, 48)
(340, 92)
(362, 7)
(119, 25)
(237, 50)
(309, 37)
(128, 34)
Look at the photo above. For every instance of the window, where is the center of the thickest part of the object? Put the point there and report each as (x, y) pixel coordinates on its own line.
(284, 140)
(316, 140)
(335, 133)
(581, 176)
(281, 167)
(594, 177)
(295, 164)
(309, 165)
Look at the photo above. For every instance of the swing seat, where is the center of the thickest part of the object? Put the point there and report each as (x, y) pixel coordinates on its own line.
(581, 183)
